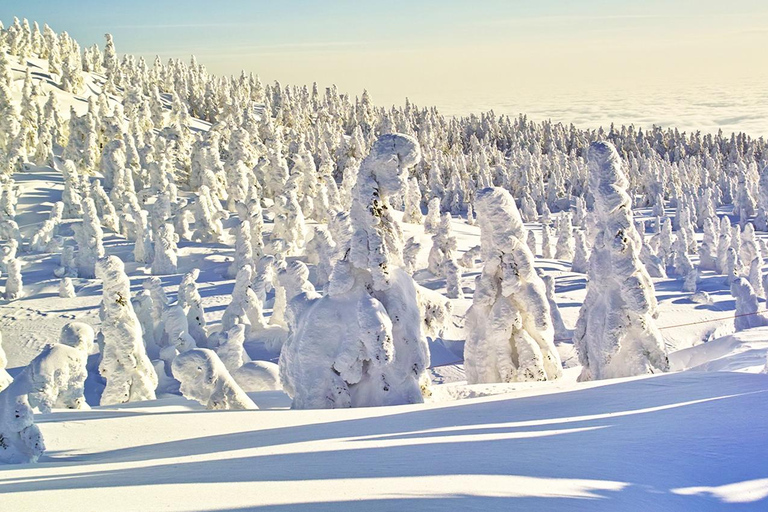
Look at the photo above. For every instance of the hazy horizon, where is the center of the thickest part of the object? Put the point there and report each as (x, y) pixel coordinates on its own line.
(591, 62)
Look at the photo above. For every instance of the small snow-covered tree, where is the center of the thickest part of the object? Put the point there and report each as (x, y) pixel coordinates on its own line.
(22, 441)
(166, 252)
(13, 283)
(89, 240)
(59, 372)
(412, 213)
(616, 335)
(564, 249)
(205, 379)
(509, 327)
(5, 378)
(124, 362)
(243, 249)
(748, 313)
(192, 302)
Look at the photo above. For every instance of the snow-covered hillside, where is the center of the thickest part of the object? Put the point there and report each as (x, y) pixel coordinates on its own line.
(174, 242)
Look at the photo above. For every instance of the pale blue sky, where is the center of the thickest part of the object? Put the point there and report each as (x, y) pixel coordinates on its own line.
(442, 52)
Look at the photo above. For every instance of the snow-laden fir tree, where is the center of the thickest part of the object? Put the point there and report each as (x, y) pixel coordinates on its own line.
(204, 378)
(362, 344)
(22, 441)
(243, 249)
(616, 334)
(580, 261)
(13, 283)
(166, 253)
(124, 362)
(432, 219)
(5, 377)
(192, 303)
(59, 372)
(509, 327)
(748, 313)
(412, 213)
(89, 236)
(564, 249)
(546, 242)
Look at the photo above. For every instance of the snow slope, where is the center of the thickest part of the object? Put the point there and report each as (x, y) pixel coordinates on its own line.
(685, 441)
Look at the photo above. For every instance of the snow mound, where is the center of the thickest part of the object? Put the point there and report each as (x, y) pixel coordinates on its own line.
(744, 351)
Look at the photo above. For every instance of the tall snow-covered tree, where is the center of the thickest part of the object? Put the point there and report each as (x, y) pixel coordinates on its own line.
(377, 354)
(124, 362)
(510, 336)
(616, 333)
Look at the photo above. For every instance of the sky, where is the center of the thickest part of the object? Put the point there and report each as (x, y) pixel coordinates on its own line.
(697, 63)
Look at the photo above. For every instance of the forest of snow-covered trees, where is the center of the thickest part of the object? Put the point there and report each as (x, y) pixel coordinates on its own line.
(304, 195)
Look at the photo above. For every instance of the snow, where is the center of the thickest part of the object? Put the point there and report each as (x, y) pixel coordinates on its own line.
(582, 449)
(691, 439)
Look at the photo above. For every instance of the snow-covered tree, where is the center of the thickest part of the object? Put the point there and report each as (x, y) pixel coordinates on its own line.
(22, 441)
(616, 334)
(748, 313)
(89, 236)
(166, 253)
(124, 362)
(192, 302)
(361, 344)
(13, 283)
(205, 379)
(509, 328)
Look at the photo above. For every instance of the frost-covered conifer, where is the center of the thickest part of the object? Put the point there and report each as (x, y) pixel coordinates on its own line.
(192, 302)
(564, 249)
(245, 307)
(88, 236)
(66, 289)
(561, 332)
(723, 244)
(411, 255)
(412, 213)
(615, 334)
(231, 351)
(243, 249)
(166, 253)
(13, 283)
(377, 354)
(443, 246)
(530, 241)
(747, 306)
(5, 378)
(59, 373)
(124, 362)
(205, 379)
(509, 328)
(581, 254)
(320, 251)
(22, 441)
(546, 241)
(432, 220)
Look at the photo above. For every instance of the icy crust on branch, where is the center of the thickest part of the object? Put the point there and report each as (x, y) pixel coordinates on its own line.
(124, 362)
(362, 343)
(509, 327)
(204, 378)
(616, 334)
